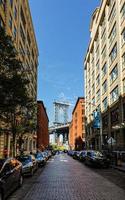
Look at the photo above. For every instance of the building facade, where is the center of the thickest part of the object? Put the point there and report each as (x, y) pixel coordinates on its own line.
(16, 18)
(42, 126)
(105, 76)
(77, 126)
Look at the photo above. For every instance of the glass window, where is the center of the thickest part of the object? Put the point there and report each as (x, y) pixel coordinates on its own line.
(104, 70)
(114, 74)
(2, 4)
(22, 34)
(123, 61)
(98, 95)
(112, 15)
(112, 34)
(14, 33)
(123, 12)
(97, 65)
(10, 22)
(104, 53)
(1, 22)
(123, 37)
(123, 85)
(15, 13)
(114, 95)
(11, 3)
(115, 115)
(93, 88)
(22, 17)
(104, 87)
(105, 103)
(113, 54)
(98, 80)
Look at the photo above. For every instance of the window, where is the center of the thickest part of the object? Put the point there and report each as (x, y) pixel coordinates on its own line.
(28, 39)
(123, 61)
(93, 101)
(123, 85)
(123, 12)
(104, 53)
(98, 80)
(22, 17)
(93, 88)
(112, 34)
(10, 22)
(115, 115)
(15, 13)
(104, 70)
(105, 121)
(22, 34)
(103, 38)
(11, 3)
(114, 74)
(114, 95)
(98, 95)
(14, 33)
(105, 103)
(2, 4)
(104, 87)
(123, 37)
(112, 15)
(1, 22)
(97, 65)
(113, 54)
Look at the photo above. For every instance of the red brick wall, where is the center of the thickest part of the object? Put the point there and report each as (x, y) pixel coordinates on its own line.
(77, 129)
(42, 127)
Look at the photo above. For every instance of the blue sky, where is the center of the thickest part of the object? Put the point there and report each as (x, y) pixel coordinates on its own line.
(62, 32)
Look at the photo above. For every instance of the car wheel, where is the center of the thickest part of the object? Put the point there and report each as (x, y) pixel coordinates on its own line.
(20, 181)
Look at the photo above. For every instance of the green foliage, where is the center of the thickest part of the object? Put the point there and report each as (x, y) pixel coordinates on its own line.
(14, 99)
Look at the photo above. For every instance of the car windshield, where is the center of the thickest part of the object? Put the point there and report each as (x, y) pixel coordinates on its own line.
(38, 155)
(1, 163)
(24, 159)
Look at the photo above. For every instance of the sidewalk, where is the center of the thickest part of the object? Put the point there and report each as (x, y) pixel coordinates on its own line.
(120, 168)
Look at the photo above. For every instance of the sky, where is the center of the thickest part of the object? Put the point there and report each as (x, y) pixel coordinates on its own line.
(62, 34)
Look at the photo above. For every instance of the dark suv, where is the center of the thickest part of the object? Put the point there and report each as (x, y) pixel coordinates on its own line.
(96, 158)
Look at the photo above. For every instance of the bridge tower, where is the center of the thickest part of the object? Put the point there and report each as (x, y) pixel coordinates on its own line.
(60, 106)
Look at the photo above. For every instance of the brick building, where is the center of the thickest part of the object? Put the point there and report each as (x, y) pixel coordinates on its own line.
(77, 126)
(15, 17)
(42, 126)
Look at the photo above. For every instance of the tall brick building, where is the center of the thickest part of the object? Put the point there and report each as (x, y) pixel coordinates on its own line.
(15, 17)
(77, 126)
(42, 126)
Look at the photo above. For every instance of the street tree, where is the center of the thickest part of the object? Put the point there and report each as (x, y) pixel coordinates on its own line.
(13, 86)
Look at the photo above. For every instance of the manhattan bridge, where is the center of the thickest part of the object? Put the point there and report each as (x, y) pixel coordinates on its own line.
(59, 131)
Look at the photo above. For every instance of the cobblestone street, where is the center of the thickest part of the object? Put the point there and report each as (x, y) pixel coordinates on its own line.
(66, 179)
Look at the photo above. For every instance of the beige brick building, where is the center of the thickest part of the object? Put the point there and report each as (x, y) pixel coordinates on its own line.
(105, 75)
(15, 16)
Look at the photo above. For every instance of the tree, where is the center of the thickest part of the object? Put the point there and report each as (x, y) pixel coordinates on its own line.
(13, 86)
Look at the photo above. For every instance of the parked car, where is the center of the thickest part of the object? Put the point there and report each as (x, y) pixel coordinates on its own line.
(29, 163)
(40, 158)
(82, 155)
(10, 176)
(96, 158)
(76, 154)
(70, 152)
